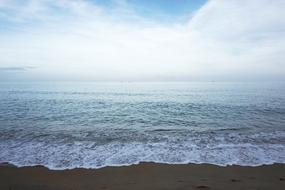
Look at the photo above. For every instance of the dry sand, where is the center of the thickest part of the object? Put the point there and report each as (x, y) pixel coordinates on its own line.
(145, 176)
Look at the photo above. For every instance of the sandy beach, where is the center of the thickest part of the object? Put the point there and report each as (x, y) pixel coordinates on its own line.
(144, 176)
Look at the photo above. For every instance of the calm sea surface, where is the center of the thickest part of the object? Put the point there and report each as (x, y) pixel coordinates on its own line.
(92, 125)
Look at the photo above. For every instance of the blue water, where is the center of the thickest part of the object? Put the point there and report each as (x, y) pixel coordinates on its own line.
(92, 125)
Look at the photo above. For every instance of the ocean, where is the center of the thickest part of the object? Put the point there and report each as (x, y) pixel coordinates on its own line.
(64, 125)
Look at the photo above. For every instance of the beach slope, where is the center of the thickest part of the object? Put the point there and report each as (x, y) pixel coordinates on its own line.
(144, 176)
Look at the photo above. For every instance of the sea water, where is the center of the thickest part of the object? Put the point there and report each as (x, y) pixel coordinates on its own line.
(91, 125)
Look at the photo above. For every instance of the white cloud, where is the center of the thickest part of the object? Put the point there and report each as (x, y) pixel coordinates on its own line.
(73, 39)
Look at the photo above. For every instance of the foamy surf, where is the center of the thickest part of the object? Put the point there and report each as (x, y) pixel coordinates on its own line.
(64, 154)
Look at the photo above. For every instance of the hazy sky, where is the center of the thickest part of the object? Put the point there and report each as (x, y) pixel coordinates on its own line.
(130, 40)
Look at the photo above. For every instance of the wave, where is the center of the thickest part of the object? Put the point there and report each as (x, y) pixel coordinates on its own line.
(68, 153)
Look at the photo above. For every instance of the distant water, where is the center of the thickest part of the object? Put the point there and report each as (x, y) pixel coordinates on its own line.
(92, 125)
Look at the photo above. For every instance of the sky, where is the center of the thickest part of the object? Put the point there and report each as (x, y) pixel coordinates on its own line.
(142, 40)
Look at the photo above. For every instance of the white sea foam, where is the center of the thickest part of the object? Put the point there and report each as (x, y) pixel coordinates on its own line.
(89, 154)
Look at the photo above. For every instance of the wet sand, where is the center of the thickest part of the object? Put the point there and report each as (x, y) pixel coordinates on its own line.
(145, 176)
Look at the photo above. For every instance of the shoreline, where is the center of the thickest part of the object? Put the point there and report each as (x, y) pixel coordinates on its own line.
(9, 164)
(145, 175)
